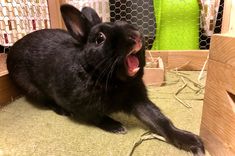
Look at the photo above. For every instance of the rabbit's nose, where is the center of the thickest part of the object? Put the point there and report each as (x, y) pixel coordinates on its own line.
(135, 37)
(136, 40)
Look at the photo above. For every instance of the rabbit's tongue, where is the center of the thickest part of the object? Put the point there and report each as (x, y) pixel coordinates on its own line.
(133, 65)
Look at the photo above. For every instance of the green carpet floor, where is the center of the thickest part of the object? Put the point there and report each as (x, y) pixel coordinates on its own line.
(26, 130)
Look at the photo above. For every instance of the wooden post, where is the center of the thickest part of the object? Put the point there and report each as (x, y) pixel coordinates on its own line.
(228, 23)
(54, 13)
(218, 117)
(8, 92)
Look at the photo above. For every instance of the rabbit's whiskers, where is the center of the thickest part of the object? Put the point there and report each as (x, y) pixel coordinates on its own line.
(111, 71)
(109, 64)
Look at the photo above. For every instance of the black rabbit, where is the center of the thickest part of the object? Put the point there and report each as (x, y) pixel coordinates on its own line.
(91, 71)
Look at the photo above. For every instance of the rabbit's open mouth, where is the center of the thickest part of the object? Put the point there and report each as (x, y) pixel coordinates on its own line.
(132, 61)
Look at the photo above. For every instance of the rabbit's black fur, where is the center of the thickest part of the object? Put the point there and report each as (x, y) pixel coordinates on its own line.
(85, 73)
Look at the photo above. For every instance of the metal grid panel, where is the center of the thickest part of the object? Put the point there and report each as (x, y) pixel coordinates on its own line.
(137, 12)
(20, 17)
(204, 38)
(141, 14)
(101, 7)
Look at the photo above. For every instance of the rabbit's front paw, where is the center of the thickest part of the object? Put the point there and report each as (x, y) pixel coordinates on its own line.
(189, 142)
(111, 125)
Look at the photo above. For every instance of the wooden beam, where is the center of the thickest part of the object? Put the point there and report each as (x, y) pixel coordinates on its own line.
(8, 91)
(218, 126)
(226, 16)
(223, 48)
(3, 68)
(181, 59)
(218, 117)
(54, 13)
(228, 23)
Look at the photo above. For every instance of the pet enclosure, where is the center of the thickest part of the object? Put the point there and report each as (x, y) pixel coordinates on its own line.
(179, 31)
(20, 17)
(166, 25)
(180, 28)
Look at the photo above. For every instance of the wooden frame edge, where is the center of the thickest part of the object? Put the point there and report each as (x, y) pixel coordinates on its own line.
(181, 59)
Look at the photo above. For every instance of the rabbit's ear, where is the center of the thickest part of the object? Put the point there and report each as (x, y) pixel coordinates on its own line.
(91, 15)
(76, 23)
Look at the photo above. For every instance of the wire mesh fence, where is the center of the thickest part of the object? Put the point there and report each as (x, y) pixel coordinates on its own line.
(20, 17)
(165, 24)
(214, 26)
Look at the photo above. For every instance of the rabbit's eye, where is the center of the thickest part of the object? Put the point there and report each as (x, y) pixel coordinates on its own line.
(100, 38)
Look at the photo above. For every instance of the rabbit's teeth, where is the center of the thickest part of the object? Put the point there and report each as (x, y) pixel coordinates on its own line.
(132, 72)
(132, 65)
(135, 70)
